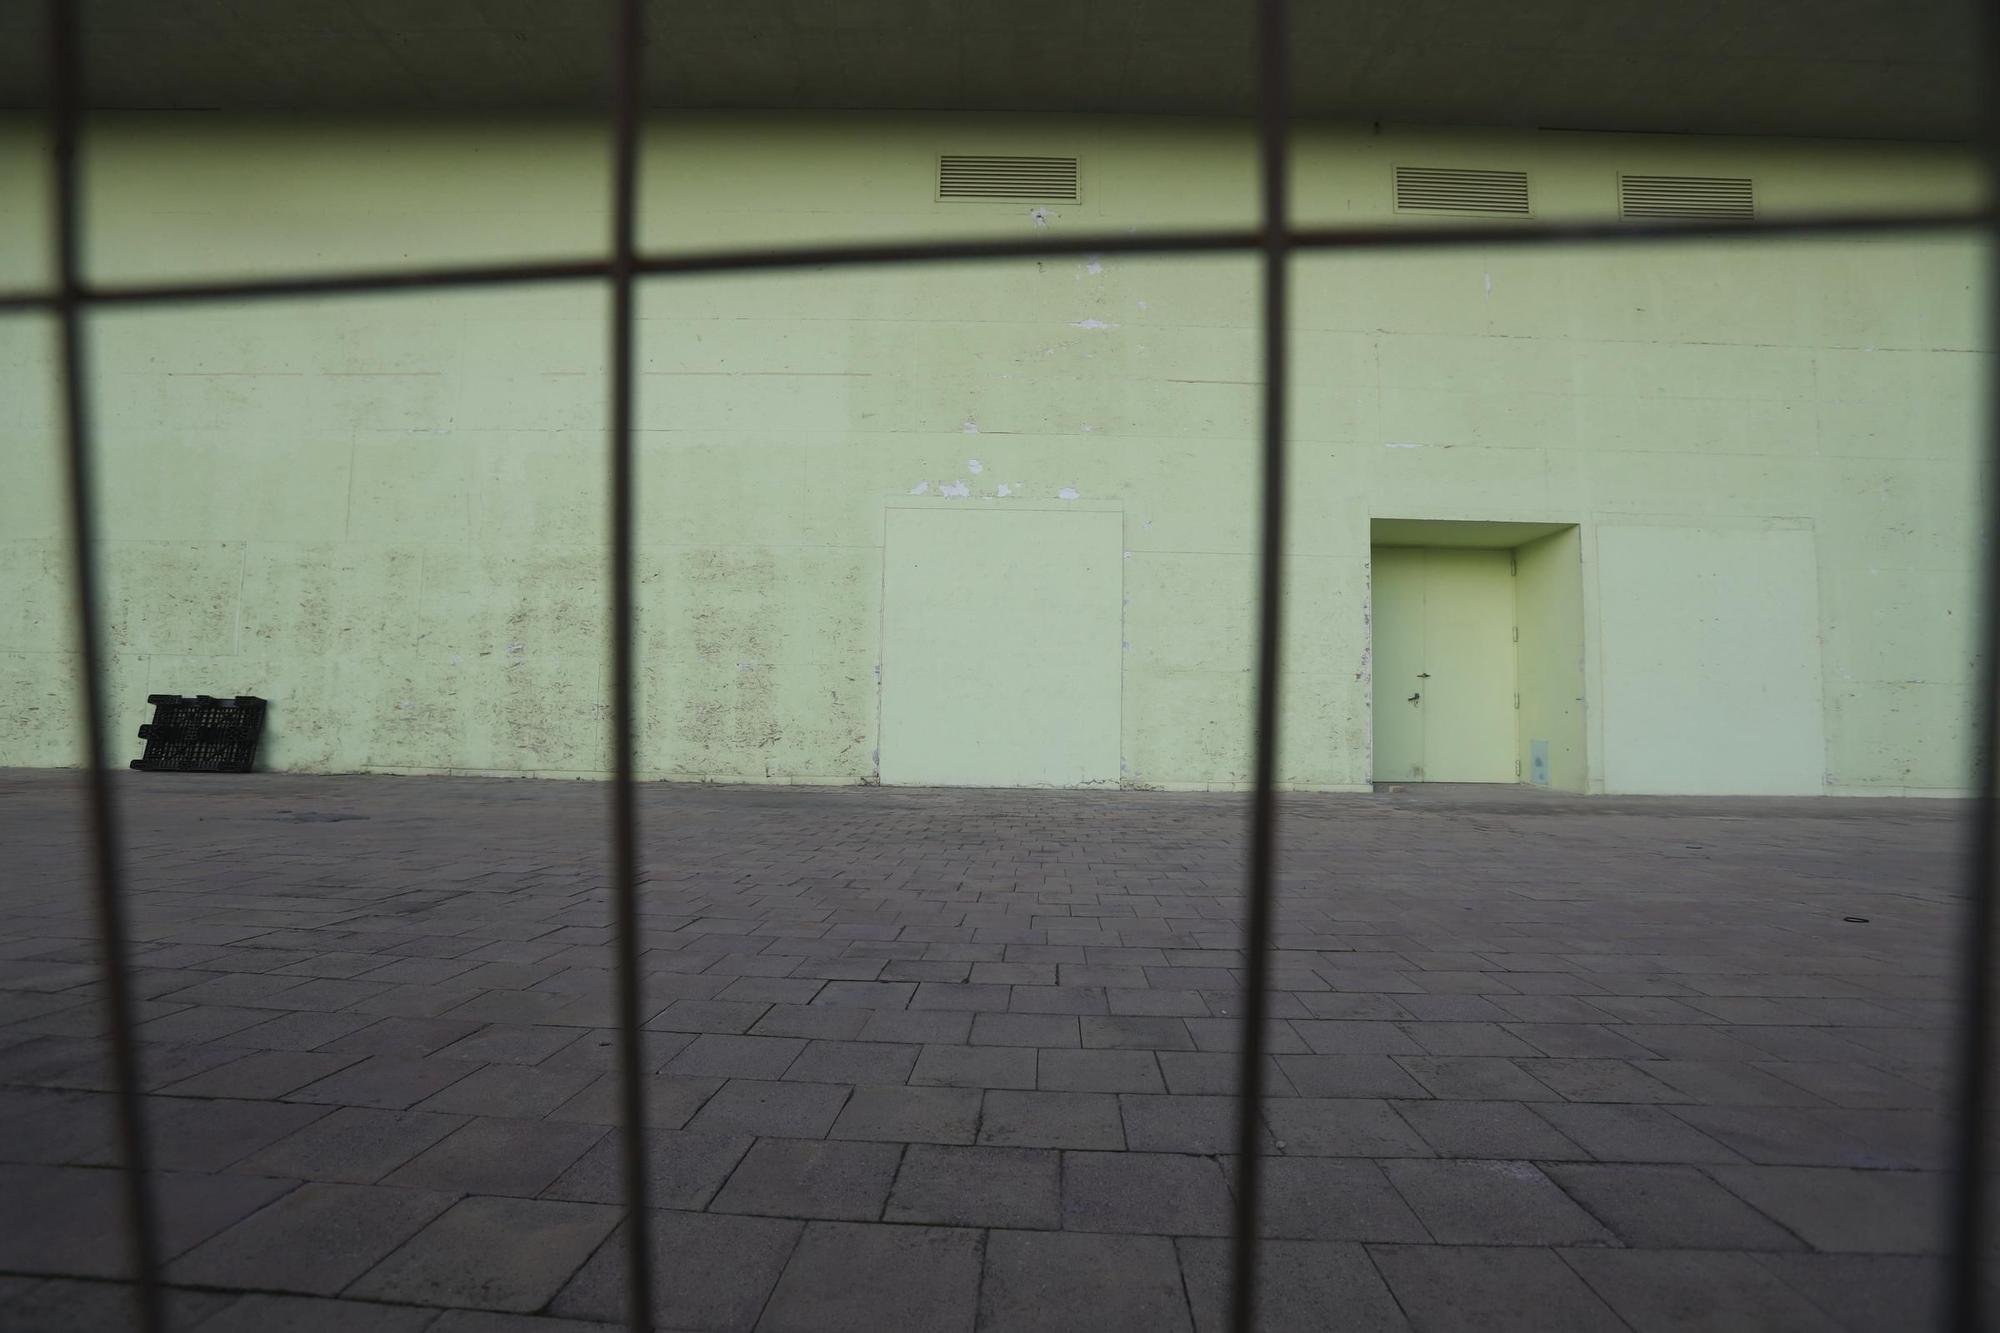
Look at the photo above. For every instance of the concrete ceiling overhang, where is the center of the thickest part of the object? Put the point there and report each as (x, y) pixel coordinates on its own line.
(1878, 69)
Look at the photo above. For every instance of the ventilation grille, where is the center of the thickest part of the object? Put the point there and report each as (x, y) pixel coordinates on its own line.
(1049, 179)
(1685, 197)
(1450, 190)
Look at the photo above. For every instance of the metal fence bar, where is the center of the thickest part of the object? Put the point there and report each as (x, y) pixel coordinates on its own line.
(1273, 154)
(624, 795)
(1273, 241)
(1415, 236)
(140, 1207)
(1967, 1298)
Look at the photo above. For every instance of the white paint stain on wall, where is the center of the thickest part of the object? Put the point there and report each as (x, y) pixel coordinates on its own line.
(969, 427)
(974, 466)
(921, 488)
(1005, 490)
(957, 488)
(1092, 324)
(1039, 216)
(1066, 493)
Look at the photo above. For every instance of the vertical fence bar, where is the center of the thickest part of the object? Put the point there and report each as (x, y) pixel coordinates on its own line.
(141, 1228)
(624, 800)
(1967, 1299)
(1273, 110)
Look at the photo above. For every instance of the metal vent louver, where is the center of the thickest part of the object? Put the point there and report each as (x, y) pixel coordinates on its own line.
(1453, 190)
(1040, 179)
(1686, 197)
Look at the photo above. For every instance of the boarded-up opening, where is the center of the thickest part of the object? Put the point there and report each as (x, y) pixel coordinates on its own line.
(1000, 647)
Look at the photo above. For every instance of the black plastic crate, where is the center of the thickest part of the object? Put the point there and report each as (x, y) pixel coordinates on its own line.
(201, 734)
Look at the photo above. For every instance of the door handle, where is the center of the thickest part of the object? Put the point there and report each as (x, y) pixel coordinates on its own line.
(1413, 698)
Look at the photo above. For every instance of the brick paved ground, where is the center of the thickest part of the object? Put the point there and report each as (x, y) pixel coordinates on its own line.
(942, 1061)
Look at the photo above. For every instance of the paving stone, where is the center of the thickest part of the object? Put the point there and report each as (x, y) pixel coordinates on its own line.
(853, 1062)
(510, 1043)
(54, 1219)
(975, 1067)
(1011, 1029)
(1633, 1133)
(909, 1115)
(1694, 1293)
(1493, 1203)
(791, 1110)
(1302, 1287)
(718, 1056)
(918, 1026)
(978, 1187)
(1348, 1076)
(960, 996)
(833, 1178)
(684, 1169)
(385, 1081)
(260, 1313)
(492, 1254)
(489, 1321)
(669, 1102)
(1510, 1290)
(1867, 1292)
(316, 1239)
(1217, 1073)
(400, 1036)
(494, 1156)
(1144, 1192)
(1052, 1282)
(264, 1074)
(303, 1030)
(1059, 1000)
(1487, 1129)
(1879, 1212)
(1601, 1081)
(804, 1020)
(1098, 1071)
(208, 1135)
(1477, 1078)
(356, 1145)
(1326, 1198)
(1335, 1037)
(1340, 1127)
(522, 1091)
(722, 1270)
(1051, 1120)
(1669, 1207)
(728, 1016)
(63, 1305)
(1136, 1033)
(1181, 1124)
(856, 1278)
(1579, 1040)
(866, 994)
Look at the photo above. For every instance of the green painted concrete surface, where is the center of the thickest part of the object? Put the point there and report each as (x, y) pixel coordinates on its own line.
(387, 515)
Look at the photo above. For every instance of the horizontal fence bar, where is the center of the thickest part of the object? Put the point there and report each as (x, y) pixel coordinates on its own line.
(863, 254)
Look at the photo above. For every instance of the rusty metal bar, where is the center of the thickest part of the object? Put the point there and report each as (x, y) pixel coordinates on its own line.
(140, 1207)
(1387, 236)
(1968, 1297)
(624, 795)
(1273, 166)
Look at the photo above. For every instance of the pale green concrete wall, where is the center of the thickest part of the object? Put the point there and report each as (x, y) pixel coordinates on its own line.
(1548, 612)
(387, 515)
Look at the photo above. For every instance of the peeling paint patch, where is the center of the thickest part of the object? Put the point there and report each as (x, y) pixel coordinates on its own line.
(974, 466)
(1066, 493)
(1489, 286)
(957, 488)
(1092, 324)
(921, 488)
(969, 427)
(1093, 267)
(1401, 444)
(1039, 216)
(1005, 490)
